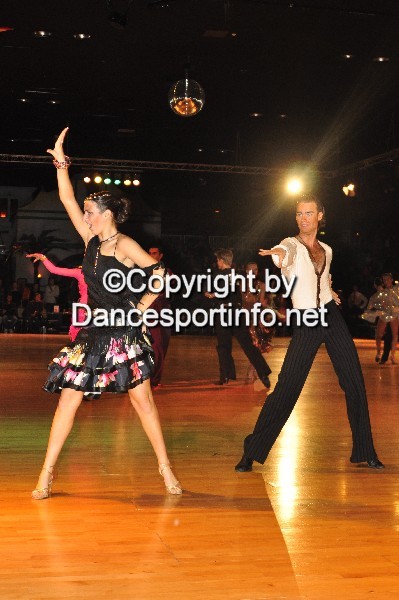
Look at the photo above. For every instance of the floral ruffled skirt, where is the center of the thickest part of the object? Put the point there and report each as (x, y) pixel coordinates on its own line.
(102, 359)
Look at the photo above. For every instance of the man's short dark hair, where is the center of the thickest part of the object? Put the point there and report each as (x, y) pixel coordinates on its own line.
(157, 246)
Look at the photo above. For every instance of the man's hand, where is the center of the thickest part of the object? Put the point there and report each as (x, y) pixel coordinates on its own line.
(279, 251)
(335, 296)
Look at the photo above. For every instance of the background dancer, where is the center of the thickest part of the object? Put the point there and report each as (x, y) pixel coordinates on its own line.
(388, 303)
(160, 334)
(77, 274)
(225, 334)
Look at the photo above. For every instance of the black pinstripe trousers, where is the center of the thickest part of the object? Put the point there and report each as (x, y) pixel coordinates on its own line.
(297, 363)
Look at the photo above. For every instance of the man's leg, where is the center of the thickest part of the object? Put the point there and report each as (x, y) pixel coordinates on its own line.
(279, 405)
(345, 360)
(224, 347)
(253, 353)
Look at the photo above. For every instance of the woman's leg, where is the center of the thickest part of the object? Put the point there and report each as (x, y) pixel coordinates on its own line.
(64, 416)
(394, 328)
(379, 332)
(143, 402)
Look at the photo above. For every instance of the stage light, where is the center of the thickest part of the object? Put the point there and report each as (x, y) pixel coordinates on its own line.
(42, 34)
(117, 180)
(98, 179)
(349, 190)
(127, 181)
(116, 18)
(86, 179)
(107, 179)
(294, 186)
(136, 181)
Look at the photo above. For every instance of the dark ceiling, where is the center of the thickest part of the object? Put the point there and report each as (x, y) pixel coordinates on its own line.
(309, 67)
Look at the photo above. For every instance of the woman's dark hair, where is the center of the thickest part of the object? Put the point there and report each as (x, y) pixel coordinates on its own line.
(120, 207)
(309, 197)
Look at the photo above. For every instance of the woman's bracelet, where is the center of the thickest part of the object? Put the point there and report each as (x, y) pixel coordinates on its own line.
(62, 164)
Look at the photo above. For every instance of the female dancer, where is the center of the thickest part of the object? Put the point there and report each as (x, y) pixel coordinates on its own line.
(388, 302)
(117, 358)
(77, 274)
(261, 336)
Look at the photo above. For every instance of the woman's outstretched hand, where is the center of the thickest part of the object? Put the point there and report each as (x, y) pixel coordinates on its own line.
(36, 256)
(58, 151)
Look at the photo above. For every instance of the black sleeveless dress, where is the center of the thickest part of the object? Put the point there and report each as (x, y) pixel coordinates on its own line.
(104, 359)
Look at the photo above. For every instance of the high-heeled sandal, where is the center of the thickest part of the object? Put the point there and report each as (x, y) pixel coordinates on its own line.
(175, 489)
(43, 493)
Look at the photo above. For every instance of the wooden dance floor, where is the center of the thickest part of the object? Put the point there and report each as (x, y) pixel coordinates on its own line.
(306, 525)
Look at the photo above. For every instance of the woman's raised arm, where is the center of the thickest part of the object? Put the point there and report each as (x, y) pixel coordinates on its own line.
(67, 195)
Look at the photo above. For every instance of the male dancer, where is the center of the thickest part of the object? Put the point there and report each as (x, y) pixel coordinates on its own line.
(225, 334)
(308, 259)
(160, 333)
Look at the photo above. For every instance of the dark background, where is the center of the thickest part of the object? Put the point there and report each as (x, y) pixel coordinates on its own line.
(321, 111)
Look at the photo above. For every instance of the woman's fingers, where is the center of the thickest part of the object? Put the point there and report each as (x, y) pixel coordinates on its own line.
(61, 137)
(58, 150)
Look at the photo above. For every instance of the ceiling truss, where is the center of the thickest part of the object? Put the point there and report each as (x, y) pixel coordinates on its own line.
(128, 166)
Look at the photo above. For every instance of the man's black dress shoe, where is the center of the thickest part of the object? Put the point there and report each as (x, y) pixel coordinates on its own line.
(222, 381)
(266, 382)
(375, 464)
(244, 465)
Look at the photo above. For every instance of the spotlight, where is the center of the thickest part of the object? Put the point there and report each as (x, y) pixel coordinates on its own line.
(127, 181)
(136, 181)
(98, 179)
(117, 180)
(107, 179)
(294, 186)
(86, 179)
(349, 190)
